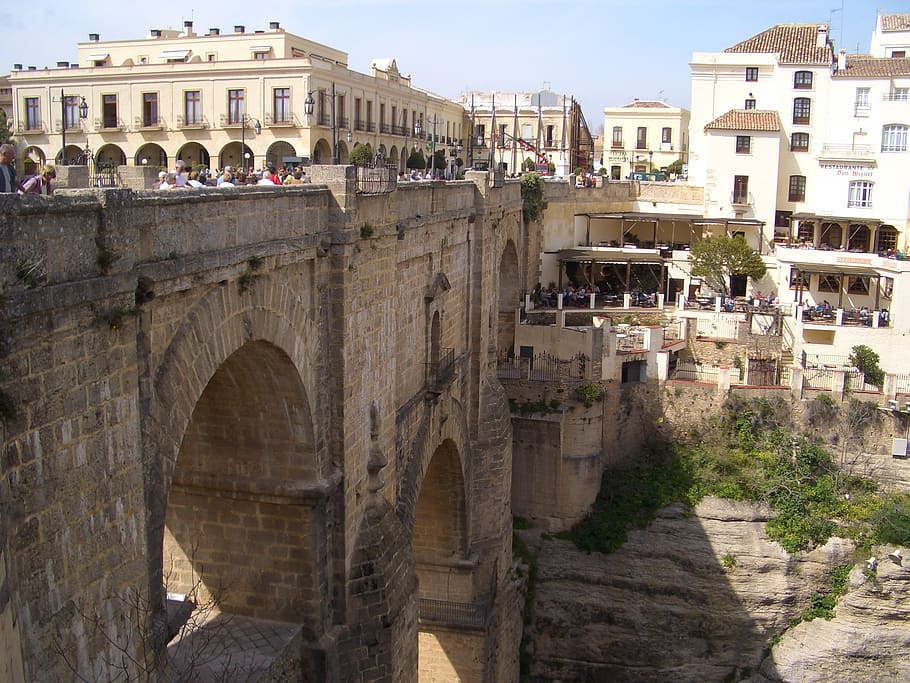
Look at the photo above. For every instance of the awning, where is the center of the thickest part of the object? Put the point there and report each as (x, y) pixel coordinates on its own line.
(611, 255)
(837, 269)
(834, 219)
(100, 57)
(261, 48)
(641, 216)
(174, 54)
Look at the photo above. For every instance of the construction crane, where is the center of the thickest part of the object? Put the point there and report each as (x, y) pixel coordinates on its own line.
(528, 147)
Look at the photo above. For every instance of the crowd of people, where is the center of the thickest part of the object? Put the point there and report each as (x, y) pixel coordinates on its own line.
(181, 177)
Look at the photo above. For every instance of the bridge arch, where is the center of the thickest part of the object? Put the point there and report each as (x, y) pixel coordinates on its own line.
(232, 445)
(509, 298)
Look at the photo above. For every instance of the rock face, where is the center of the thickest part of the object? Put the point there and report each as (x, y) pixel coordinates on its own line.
(694, 597)
(868, 639)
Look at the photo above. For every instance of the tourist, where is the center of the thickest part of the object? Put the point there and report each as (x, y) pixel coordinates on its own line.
(228, 171)
(180, 175)
(41, 183)
(8, 181)
(194, 180)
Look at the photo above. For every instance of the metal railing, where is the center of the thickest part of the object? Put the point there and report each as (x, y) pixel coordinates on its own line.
(902, 383)
(544, 367)
(466, 614)
(377, 178)
(825, 361)
(441, 371)
(856, 381)
(693, 372)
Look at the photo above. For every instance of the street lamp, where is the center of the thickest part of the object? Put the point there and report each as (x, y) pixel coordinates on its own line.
(418, 129)
(244, 120)
(83, 114)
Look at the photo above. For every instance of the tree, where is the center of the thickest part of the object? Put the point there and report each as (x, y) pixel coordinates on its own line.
(362, 154)
(417, 160)
(6, 131)
(866, 361)
(719, 259)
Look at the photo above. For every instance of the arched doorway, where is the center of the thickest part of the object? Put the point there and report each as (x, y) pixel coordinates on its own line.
(32, 160)
(193, 154)
(231, 156)
(231, 509)
(277, 152)
(109, 156)
(74, 156)
(509, 300)
(151, 155)
(322, 152)
(344, 154)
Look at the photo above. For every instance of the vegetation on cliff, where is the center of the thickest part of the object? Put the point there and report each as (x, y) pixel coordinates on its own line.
(755, 452)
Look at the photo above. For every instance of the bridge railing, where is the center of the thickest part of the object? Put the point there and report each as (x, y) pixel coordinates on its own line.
(440, 372)
(449, 613)
(377, 178)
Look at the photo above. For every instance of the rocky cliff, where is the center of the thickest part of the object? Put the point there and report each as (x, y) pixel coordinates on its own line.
(701, 596)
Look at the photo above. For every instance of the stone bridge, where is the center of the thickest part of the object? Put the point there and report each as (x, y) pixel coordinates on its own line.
(275, 407)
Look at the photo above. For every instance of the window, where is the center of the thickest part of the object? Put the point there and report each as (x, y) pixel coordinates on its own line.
(743, 144)
(894, 138)
(666, 135)
(898, 94)
(898, 54)
(802, 107)
(782, 219)
(109, 111)
(888, 287)
(526, 132)
(751, 73)
(211, 57)
(192, 107)
(741, 189)
(641, 141)
(797, 191)
(281, 105)
(802, 80)
(886, 236)
(858, 284)
(828, 283)
(369, 119)
(862, 100)
(798, 279)
(261, 54)
(860, 194)
(502, 135)
(236, 108)
(551, 135)
(71, 112)
(149, 109)
(32, 113)
(799, 142)
(750, 103)
(617, 136)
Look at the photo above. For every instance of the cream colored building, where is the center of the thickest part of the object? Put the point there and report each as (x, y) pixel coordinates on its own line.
(644, 136)
(513, 129)
(202, 97)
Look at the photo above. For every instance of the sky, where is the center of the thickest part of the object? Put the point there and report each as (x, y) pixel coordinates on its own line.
(604, 53)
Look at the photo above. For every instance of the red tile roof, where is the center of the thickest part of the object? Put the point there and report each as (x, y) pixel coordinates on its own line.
(647, 104)
(795, 43)
(865, 66)
(896, 22)
(746, 119)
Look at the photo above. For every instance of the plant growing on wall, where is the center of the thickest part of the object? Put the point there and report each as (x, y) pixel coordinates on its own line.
(719, 259)
(532, 196)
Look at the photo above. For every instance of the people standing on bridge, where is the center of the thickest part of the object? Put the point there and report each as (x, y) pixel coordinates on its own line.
(41, 183)
(8, 180)
(228, 171)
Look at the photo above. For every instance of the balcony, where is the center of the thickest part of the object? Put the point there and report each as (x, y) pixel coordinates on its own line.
(108, 125)
(199, 123)
(283, 121)
(742, 199)
(151, 125)
(36, 128)
(846, 152)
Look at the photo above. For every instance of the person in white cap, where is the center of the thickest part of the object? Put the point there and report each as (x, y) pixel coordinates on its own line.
(180, 172)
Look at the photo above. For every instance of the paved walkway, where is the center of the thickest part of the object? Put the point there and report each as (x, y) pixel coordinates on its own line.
(220, 647)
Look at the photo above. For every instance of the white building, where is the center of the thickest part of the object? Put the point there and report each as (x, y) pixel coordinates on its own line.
(644, 136)
(813, 141)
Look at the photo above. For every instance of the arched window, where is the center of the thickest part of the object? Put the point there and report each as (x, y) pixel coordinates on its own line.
(797, 191)
(802, 108)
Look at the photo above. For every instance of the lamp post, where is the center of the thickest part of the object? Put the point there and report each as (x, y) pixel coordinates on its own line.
(418, 129)
(244, 120)
(432, 147)
(83, 114)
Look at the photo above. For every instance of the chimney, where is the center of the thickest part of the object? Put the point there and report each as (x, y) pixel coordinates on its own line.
(188, 28)
(32, 68)
(239, 29)
(17, 67)
(821, 35)
(63, 65)
(842, 60)
(155, 33)
(94, 37)
(274, 26)
(214, 31)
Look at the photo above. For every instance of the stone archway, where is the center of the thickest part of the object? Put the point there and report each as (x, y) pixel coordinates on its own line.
(509, 299)
(238, 159)
(151, 155)
(277, 152)
(109, 156)
(322, 152)
(194, 154)
(248, 444)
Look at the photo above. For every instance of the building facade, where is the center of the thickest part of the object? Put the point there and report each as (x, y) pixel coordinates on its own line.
(244, 99)
(511, 131)
(644, 136)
